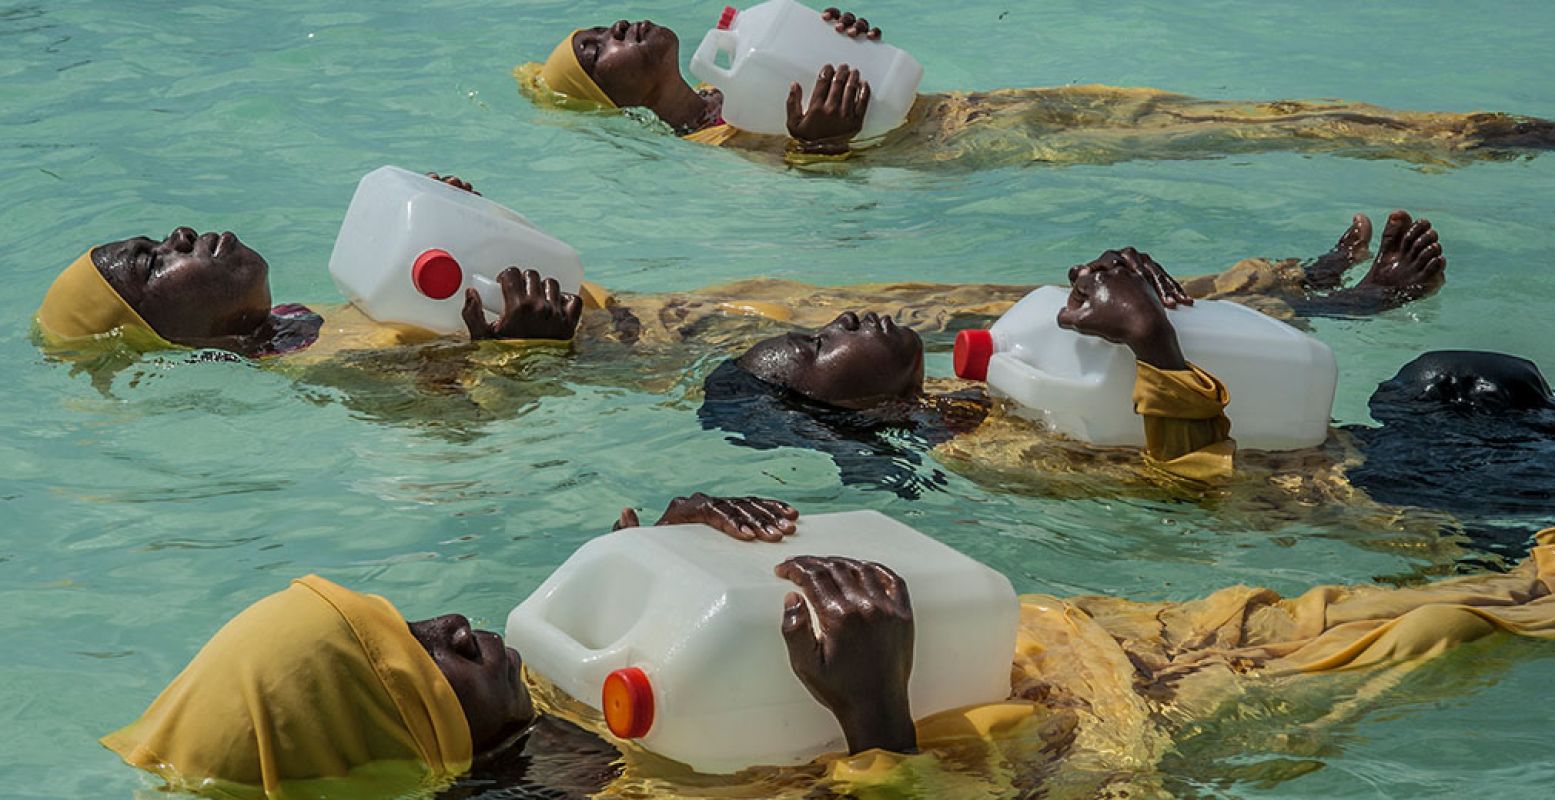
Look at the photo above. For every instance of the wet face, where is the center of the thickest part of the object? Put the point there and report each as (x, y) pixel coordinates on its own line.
(191, 288)
(634, 62)
(485, 675)
(855, 362)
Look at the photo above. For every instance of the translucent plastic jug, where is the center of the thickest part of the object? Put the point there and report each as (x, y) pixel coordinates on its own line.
(1281, 380)
(780, 42)
(410, 246)
(685, 625)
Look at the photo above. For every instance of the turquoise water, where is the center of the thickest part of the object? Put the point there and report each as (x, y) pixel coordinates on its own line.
(138, 520)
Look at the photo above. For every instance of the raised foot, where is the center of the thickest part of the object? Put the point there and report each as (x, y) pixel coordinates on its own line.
(1409, 263)
(1327, 271)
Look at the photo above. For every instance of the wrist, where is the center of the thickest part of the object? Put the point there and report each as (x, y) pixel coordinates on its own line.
(827, 147)
(885, 725)
(1159, 348)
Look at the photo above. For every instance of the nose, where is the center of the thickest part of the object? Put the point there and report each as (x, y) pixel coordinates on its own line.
(181, 239)
(461, 638)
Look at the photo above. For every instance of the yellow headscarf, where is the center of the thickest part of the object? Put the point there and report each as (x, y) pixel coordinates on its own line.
(561, 79)
(82, 304)
(314, 690)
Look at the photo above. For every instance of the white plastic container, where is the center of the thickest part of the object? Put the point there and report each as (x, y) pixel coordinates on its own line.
(410, 246)
(780, 42)
(1281, 380)
(700, 615)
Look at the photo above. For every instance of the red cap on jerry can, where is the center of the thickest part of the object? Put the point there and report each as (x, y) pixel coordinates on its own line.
(727, 18)
(436, 274)
(974, 349)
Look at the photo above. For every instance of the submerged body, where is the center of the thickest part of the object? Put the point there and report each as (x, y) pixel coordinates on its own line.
(1105, 691)
(1096, 124)
(638, 65)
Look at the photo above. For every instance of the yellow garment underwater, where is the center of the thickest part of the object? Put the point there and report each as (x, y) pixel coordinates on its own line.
(81, 304)
(316, 690)
(1129, 671)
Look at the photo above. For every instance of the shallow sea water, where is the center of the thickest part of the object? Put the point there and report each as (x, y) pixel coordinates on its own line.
(136, 521)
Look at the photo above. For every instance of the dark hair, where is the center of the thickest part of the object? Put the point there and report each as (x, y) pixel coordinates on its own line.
(1468, 432)
(880, 448)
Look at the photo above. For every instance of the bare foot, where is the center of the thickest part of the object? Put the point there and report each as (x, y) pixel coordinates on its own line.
(1409, 264)
(1327, 270)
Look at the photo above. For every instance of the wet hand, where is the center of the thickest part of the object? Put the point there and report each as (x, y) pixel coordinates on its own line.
(533, 308)
(838, 104)
(857, 660)
(454, 181)
(850, 25)
(745, 518)
(1116, 301)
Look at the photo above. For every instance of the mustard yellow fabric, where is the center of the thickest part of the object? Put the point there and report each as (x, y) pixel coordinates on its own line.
(81, 304)
(1186, 430)
(561, 80)
(1129, 672)
(314, 691)
(715, 135)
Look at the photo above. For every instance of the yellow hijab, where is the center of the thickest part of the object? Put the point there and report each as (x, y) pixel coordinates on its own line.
(81, 304)
(311, 691)
(562, 80)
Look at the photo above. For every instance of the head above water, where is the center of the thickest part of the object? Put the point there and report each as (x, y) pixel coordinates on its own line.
(855, 362)
(484, 673)
(633, 63)
(191, 288)
(1463, 381)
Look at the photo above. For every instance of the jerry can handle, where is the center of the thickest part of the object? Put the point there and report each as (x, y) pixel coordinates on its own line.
(704, 62)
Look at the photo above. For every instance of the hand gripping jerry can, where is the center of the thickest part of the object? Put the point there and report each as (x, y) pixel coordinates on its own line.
(780, 42)
(675, 633)
(1281, 380)
(410, 246)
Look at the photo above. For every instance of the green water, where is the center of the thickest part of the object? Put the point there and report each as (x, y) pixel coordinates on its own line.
(136, 521)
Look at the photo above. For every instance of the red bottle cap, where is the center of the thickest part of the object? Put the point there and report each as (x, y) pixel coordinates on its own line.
(436, 274)
(727, 19)
(974, 349)
(628, 703)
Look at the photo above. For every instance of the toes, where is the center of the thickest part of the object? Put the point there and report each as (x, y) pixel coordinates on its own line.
(1421, 236)
(1359, 234)
(1393, 232)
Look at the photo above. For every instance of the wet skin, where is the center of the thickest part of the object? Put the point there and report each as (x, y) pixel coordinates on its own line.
(854, 362)
(1114, 298)
(484, 674)
(637, 64)
(197, 289)
(212, 290)
(1410, 265)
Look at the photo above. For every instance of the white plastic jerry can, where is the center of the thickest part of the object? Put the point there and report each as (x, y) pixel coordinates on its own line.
(410, 246)
(675, 634)
(780, 42)
(1281, 380)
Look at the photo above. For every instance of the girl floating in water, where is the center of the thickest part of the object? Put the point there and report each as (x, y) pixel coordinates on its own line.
(321, 691)
(637, 65)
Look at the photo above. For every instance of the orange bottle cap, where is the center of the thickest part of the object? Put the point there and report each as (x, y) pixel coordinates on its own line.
(628, 703)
